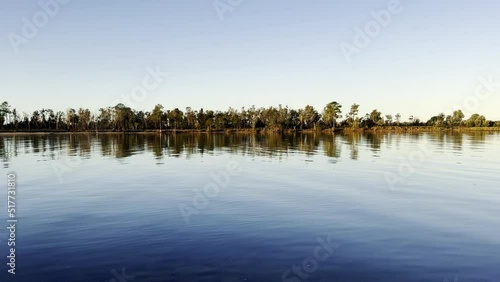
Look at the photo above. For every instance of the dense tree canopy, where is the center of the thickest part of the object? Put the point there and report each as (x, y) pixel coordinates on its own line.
(123, 118)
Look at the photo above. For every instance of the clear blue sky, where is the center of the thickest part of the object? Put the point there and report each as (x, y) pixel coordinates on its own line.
(264, 52)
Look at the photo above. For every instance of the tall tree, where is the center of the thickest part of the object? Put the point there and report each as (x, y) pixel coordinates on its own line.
(398, 118)
(331, 113)
(352, 116)
(4, 113)
(376, 117)
(388, 119)
(310, 116)
(71, 118)
(477, 120)
(457, 118)
(84, 119)
(156, 116)
(190, 118)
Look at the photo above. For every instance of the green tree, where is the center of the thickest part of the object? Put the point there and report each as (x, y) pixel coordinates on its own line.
(104, 119)
(71, 118)
(253, 115)
(388, 119)
(233, 118)
(352, 116)
(284, 117)
(310, 116)
(477, 120)
(156, 116)
(209, 120)
(36, 120)
(60, 121)
(437, 121)
(123, 117)
(190, 118)
(201, 118)
(331, 113)
(16, 118)
(139, 120)
(376, 117)
(457, 118)
(175, 118)
(84, 120)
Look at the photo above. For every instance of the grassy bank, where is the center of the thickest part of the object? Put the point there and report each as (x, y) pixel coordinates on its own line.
(427, 129)
(378, 129)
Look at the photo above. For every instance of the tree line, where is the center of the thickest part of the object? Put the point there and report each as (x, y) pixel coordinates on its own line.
(122, 118)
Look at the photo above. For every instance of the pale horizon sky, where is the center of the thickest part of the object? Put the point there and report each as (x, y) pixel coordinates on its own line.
(427, 60)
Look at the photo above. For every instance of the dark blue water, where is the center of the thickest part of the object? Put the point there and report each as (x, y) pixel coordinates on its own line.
(357, 207)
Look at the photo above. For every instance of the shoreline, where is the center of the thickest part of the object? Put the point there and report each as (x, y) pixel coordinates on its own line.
(391, 129)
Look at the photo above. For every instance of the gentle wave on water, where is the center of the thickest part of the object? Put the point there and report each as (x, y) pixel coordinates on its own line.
(242, 207)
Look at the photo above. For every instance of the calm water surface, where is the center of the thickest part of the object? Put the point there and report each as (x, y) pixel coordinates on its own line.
(388, 207)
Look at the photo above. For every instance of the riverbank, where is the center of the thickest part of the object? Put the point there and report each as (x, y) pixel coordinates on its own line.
(383, 129)
(389, 129)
